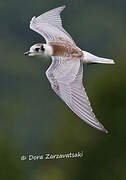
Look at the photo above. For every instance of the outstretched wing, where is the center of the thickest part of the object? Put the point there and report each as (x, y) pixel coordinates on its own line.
(49, 25)
(65, 77)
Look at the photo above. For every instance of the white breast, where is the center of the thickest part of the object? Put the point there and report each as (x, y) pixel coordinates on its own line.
(48, 50)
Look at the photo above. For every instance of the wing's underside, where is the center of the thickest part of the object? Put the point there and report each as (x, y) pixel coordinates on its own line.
(67, 83)
(49, 25)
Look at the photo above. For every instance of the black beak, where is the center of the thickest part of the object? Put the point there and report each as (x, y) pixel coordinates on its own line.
(27, 53)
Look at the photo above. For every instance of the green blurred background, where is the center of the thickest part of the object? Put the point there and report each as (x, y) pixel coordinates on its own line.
(33, 120)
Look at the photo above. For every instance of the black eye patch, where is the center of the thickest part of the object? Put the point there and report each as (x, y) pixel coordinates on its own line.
(42, 48)
(36, 49)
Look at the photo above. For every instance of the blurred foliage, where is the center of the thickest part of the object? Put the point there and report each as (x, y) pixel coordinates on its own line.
(33, 120)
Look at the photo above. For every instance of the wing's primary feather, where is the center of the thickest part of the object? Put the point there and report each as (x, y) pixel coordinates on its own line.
(66, 80)
(49, 25)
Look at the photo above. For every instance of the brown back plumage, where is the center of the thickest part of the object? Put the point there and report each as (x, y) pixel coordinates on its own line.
(66, 49)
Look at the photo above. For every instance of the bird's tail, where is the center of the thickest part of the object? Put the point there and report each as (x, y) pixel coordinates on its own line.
(90, 58)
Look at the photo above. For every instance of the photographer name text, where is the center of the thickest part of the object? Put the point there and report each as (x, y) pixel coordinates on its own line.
(49, 156)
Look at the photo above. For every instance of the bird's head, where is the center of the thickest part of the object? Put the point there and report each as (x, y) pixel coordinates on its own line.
(39, 50)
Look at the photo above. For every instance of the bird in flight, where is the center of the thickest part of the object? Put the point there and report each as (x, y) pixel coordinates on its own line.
(66, 71)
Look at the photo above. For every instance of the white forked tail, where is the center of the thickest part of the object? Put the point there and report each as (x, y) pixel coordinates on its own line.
(90, 58)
